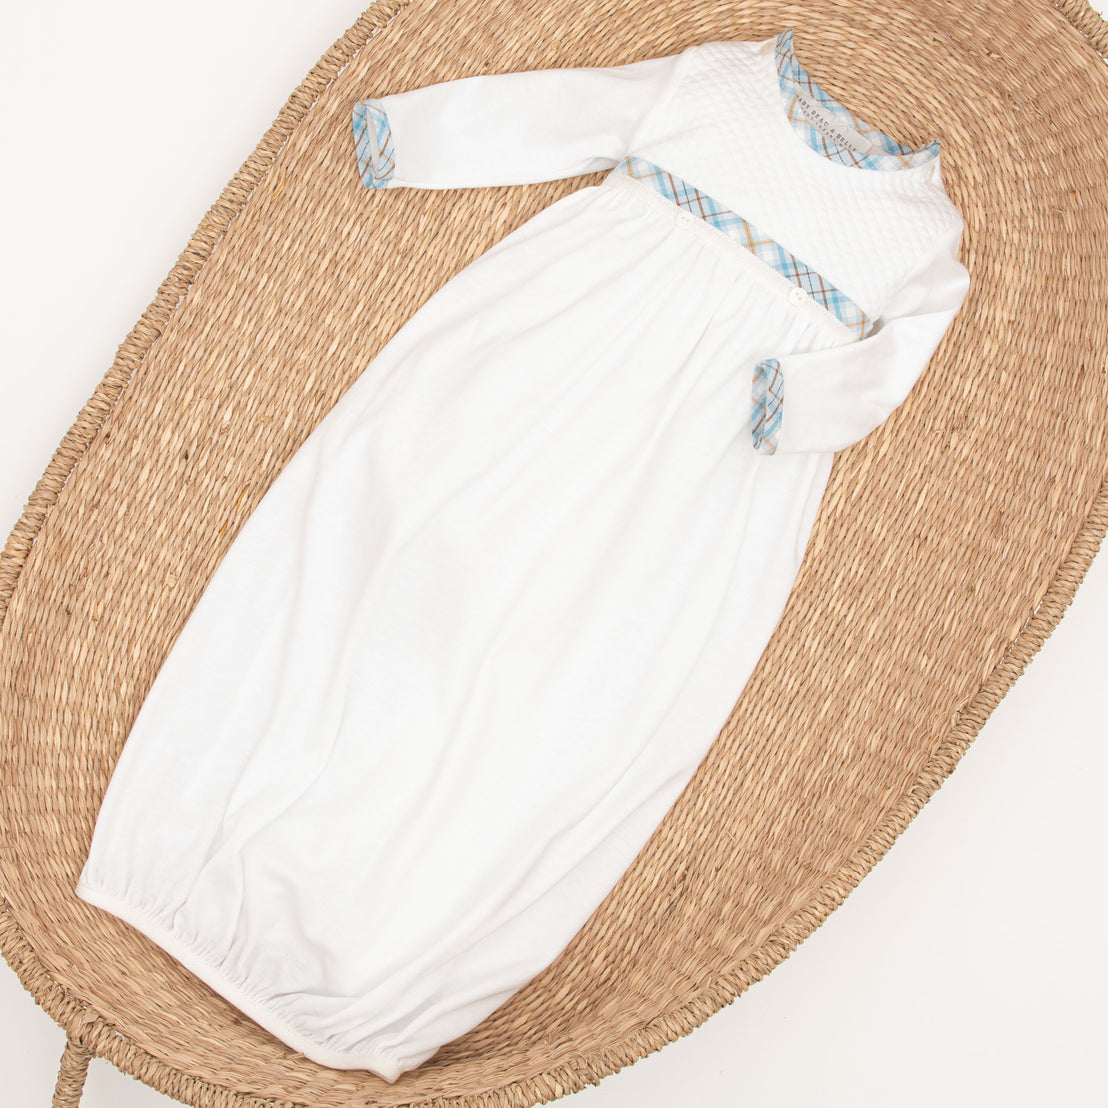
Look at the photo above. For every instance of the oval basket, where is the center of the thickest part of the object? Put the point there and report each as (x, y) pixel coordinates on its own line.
(947, 546)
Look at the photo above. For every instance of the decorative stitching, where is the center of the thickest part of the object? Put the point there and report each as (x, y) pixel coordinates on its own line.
(768, 395)
(742, 231)
(373, 142)
(795, 83)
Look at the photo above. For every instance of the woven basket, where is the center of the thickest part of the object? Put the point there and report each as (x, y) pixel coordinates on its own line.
(947, 546)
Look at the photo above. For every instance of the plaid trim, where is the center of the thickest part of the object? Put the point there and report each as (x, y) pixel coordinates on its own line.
(742, 231)
(795, 82)
(373, 143)
(767, 396)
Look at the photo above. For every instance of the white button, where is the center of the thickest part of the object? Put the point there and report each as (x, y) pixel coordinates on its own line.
(686, 217)
(797, 295)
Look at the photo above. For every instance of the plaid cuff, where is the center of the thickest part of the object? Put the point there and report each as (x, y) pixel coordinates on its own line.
(767, 394)
(373, 143)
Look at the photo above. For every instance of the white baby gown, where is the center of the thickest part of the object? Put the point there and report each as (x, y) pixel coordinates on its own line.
(484, 626)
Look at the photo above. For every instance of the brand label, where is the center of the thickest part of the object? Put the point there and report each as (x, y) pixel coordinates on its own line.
(832, 129)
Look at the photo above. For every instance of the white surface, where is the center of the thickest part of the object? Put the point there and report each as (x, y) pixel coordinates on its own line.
(968, 965)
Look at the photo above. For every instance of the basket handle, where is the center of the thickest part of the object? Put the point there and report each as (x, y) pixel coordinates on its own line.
(71, 1074)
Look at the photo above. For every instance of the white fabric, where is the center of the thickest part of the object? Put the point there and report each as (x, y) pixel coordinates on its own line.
(520, 128)
(835, 398)
(477, 637)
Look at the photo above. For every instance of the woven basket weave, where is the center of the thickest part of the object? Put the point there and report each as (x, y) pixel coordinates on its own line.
(947, 546)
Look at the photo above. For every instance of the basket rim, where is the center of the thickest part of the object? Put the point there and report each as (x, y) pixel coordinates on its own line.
(89, 1031)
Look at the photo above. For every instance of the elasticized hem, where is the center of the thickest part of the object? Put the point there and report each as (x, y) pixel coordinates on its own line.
(377, 1062)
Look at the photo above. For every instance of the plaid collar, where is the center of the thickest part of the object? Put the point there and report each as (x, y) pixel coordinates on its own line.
(795, 83)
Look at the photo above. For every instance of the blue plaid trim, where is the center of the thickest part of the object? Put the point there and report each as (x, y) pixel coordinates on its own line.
(742, 231)
(795, 82)
(767, 395)
(373, 143)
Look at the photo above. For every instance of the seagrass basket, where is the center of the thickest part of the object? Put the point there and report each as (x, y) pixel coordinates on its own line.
(947, 546)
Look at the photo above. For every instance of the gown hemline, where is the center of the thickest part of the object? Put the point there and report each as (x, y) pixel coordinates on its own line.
(378, 1062)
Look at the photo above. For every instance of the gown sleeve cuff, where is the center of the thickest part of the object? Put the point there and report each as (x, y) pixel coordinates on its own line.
(768, 395)
(374, 146)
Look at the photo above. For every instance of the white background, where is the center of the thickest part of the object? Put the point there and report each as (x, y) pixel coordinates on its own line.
(968, 967)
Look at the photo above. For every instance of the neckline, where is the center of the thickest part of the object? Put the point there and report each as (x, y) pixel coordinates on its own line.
(863, 147)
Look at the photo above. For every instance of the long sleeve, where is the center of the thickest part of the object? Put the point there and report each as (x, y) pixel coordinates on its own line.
(826, 400)
(507, 128)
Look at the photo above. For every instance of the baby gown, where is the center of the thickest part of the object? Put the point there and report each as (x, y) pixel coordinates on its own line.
(484, 626)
